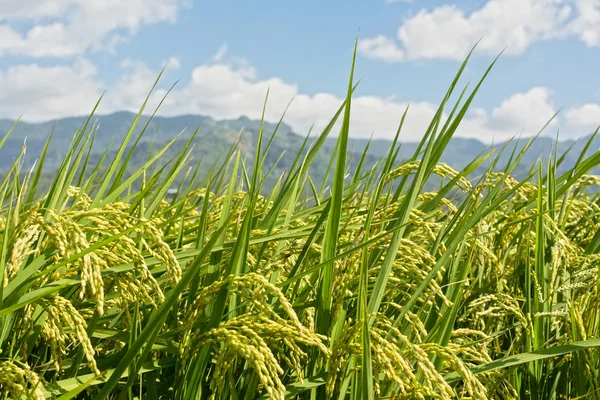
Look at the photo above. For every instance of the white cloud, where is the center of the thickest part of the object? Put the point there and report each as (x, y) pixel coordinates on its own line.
(78, 25)
(447, 32)
(380, 47)
(42, 93)
(33, 9)
(587, 23)
(521, 114)
(130, 90)
(230, 91)
(539, 110)
(586, 116)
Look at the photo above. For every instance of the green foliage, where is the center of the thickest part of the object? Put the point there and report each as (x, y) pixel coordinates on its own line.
(396, 277)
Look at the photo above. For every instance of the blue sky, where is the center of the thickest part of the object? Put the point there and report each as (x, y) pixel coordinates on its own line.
(58, 56)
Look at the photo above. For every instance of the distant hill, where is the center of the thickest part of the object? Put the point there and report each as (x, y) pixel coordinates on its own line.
(215, 137)
(112, 129)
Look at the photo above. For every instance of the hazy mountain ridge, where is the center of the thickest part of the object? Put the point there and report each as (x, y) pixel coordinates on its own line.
(215, 137)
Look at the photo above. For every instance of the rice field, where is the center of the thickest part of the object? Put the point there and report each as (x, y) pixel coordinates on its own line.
(373, 287)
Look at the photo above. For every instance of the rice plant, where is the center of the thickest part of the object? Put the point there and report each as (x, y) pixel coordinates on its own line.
(111, 286)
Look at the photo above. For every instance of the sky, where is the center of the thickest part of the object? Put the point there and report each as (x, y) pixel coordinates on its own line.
(58, 57)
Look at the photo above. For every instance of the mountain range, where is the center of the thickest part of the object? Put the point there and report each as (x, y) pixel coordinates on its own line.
(215, 138)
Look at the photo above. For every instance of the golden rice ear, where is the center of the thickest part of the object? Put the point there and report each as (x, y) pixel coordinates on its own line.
(18, 381)
(63, 322)
(265, 339)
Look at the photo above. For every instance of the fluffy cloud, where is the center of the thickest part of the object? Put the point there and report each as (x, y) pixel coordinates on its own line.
(585, 116)
(382, 48)
(510, 115)
(224, 90)
(34, 9)
(70, 27)
(587, 23)
(521, 114)
(447, 32)
(40, 92)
